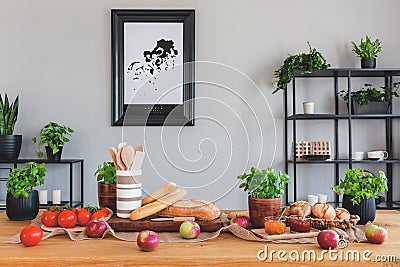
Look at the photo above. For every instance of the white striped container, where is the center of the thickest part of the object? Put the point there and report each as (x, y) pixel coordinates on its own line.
(129, 192)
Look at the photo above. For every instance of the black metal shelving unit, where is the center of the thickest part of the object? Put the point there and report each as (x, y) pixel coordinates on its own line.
(335, 74)
(71, 162)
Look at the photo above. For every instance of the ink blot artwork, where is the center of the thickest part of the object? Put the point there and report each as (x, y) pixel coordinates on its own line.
(161, 58)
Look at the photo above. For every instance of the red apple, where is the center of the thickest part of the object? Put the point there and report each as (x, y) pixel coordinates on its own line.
(376, 234)
(147, 240)
(242, 221)
(189, 230)
(95, 228)
(328, 239)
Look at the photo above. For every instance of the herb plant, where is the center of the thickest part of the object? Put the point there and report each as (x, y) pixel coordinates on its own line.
(264, 183)
(54, 135)
(368, 93)
(308, 62)
(367, 49)
(361, 185)
(106, 173)
(8, 115)
(21, 181)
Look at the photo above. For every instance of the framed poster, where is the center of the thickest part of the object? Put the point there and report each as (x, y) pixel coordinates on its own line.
(152, 67)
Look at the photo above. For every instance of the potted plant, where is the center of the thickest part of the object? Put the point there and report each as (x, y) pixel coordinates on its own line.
(369, 100)
(360, 189)
(308, 62)
(367, 51)
(22, 202)
(10, 145)
(264, 189)
(106, 175)
(55, 135)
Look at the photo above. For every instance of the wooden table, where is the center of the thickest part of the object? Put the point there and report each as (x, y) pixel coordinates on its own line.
(226, 250)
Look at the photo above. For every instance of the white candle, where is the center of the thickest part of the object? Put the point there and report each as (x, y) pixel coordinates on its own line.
(43, 197)
(57, 196)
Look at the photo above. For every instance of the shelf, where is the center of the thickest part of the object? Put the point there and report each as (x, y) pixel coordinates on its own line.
(21, 161)
(341, 116)
(343, 72)
(346, 161)
(63, 203)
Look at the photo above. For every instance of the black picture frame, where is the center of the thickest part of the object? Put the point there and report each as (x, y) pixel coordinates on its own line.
(152, 114)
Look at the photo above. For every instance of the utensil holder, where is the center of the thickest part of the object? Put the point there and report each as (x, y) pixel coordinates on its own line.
(129, 192)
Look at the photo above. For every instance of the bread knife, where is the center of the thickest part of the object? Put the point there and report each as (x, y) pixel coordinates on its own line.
(175, 219)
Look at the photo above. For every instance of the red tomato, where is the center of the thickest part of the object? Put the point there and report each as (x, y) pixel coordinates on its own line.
(99, 214)
(83, 216)
(50, 218)
(67, 219)
(30, 235)
(75, 210)
(105, 210)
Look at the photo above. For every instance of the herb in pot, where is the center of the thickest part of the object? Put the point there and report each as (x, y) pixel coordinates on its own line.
(8, 115)
(308, 62)
(55, 135)
(264, 183)
(361, 185)
(21, 181)
(368, 93)
(367, 48)
(106, 173)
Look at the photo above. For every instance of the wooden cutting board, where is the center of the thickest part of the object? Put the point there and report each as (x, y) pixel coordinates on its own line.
(287, 235)
(126, 225)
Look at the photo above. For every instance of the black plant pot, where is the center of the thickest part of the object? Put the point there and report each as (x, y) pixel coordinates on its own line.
(56, 156)
(10, 146)
(370, 108)
(368, 63)
(18, 209)
(366, 209)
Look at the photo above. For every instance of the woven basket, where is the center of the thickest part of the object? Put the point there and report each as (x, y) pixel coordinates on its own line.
(341, 224)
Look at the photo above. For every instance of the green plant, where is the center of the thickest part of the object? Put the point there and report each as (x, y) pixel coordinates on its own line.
(368, 93)
(367, 49)
(22, 181)
(106, 173)
(54, 135)
(264, 183)
(8, 115)
(361, 185)
(309, 62)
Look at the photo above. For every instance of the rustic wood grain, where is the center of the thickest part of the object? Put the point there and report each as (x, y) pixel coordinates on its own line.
(226, 250)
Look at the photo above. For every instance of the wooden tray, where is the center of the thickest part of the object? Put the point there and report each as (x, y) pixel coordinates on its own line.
(287, 235)
(126, 225)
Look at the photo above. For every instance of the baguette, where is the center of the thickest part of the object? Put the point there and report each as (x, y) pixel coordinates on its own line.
(158, 205)
(160, 192)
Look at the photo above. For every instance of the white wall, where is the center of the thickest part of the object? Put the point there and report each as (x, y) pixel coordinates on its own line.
(56, 56)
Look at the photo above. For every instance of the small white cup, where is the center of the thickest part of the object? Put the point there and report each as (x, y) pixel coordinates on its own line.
(358, 155)
(322, 198)
(43, 197)
(378, 154)
(56, 196)
(308, 107)
(312, 199)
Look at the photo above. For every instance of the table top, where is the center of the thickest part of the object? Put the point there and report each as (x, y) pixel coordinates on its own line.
(226, 250)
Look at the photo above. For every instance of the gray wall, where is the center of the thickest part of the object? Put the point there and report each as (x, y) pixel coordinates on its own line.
(56, 56)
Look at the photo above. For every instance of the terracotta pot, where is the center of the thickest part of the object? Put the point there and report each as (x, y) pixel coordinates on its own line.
(107, 195)
(259, 208)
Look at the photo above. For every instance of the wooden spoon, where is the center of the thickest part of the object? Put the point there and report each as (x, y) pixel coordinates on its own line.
(138, 148)
(113, 153)
(119, 159)
(128, 156)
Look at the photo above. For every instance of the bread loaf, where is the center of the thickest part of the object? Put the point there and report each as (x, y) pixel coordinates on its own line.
(299, 207)
(342, 214)
(200, 209)
(158, 205)
(160, 192)
(234, 214)
(323, 211)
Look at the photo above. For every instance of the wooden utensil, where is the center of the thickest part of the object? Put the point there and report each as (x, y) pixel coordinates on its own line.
(119, 159)
(174, 219)
(113, 153)
(128, 156)
(138, 148)
(137, 163)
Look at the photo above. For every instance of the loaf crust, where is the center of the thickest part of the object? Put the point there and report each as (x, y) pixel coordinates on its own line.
(200, 209)
(342, 214)
(299, 207)
(324, 211)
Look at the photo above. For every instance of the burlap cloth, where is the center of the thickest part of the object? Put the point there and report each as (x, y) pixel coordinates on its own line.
(354, 234)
